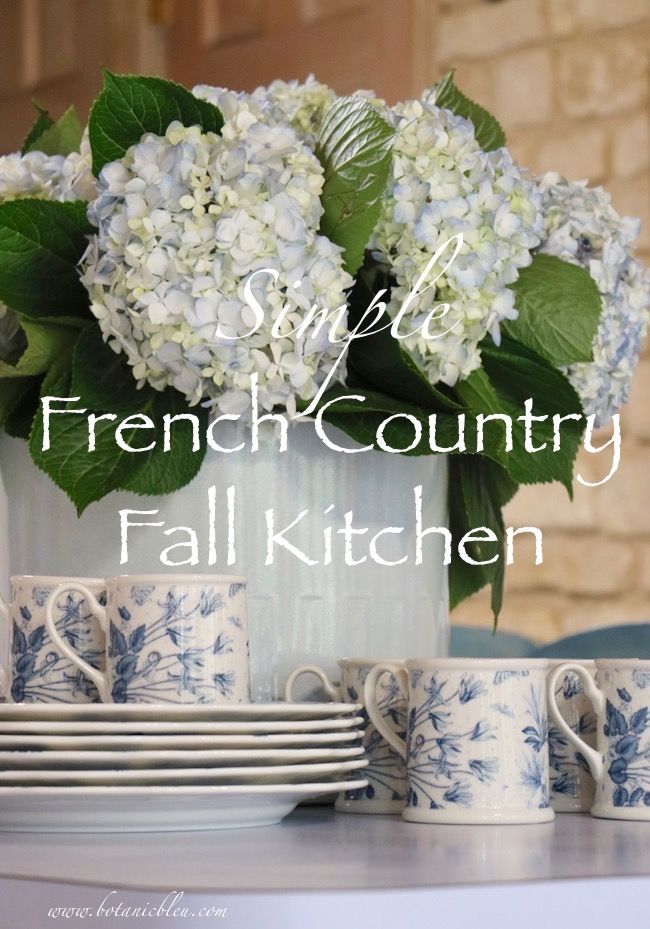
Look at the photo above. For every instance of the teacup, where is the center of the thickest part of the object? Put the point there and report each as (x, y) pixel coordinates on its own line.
(169, 638)
(476, 747)
(571, 784)
(386, 772)
(38, 672)
(620, 763)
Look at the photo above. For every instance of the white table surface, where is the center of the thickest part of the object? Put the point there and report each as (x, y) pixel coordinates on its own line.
(372, 868)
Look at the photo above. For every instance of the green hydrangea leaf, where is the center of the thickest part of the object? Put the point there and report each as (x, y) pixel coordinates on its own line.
(41, 243)
(354, 147)
(44, 343)
(59, 138)
(88, 476)
(516, 374)
(480, 489)
(559, 309)
(131, 105)
(487, 129)
(361, 419)
(42, 122)
(102, 376)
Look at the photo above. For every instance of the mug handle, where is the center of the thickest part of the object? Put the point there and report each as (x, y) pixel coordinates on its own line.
(594, 759)
(99, 680)
(372, 706)
(332, 690)
(5, 616)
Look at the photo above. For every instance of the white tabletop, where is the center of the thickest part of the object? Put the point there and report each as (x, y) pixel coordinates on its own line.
(387, 864)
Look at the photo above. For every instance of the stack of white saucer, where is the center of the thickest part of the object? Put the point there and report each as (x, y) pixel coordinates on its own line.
(137, 767)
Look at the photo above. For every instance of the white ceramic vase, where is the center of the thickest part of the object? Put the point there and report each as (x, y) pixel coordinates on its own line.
(297, 614)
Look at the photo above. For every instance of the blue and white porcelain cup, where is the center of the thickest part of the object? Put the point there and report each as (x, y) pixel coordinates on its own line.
(169, 638)
(386, 772)
(571, 783)
(38, 672)
(476, 746)
(620, 763)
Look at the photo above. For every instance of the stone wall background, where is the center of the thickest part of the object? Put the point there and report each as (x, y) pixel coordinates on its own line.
(569, 81)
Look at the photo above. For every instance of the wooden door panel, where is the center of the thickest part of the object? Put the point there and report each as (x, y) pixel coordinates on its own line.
(346, 43)
(53, 50)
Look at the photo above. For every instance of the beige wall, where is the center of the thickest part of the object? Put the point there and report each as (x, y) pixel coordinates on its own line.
(569, 81)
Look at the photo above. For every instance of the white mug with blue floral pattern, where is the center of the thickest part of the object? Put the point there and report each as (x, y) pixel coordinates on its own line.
(386, 772)
(620, 763)
(476, 746)
(571, 782)
(169, 638)
(38, 672)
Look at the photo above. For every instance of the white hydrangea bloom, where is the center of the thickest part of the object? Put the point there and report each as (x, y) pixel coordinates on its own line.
(443, 184)
(43, 177)
(301, 104)
(182, 221)
(581, 226)
(47, 177)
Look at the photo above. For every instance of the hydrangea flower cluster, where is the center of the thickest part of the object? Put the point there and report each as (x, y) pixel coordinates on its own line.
(443, 184)
(303, 105)
(47, 177)
(183, 220)
(44, 177)
(581, 226)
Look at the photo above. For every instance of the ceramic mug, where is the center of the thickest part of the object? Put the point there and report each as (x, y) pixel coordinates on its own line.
(572, 786)
(386, 772)
(476, 747)
(169, 638)
(38, 672)
(620, 763)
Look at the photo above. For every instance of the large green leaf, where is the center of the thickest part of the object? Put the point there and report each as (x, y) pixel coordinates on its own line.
(45, 342)
(88, 476)
(41, 242)
(131, 105)
(354, 147)
(487, 130)
(160, 472)
(559, 310)
(517, 374)
(478, 490)
(361, 419)
(101, 376)
(59, 138)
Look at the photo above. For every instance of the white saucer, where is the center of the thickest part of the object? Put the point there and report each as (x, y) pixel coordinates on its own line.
(134, 712)
(51, 760)
(79, 743)
(267, 774)
(117, 727)
(154, 809)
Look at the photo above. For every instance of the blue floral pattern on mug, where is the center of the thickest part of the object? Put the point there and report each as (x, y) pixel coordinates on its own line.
(456, 730)
(628, 759)
(386, 771)
(440, 765)
(164, 649)
(534, 772)
(40, 674)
